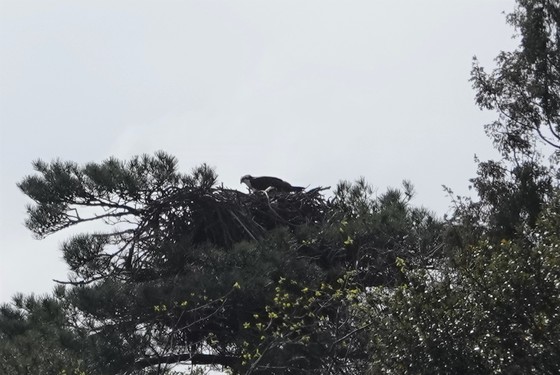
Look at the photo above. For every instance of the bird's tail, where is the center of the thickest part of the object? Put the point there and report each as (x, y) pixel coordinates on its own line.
(297, 188)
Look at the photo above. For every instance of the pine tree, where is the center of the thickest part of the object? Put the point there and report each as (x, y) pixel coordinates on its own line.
(37, 337)
(181, 268)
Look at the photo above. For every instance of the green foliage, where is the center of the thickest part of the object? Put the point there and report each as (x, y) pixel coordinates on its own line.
(492, 307)
(510, 202)
(320, 325)
(306, 330)
(36, 338)
(375, 231)
(493, 312)
(525, 86)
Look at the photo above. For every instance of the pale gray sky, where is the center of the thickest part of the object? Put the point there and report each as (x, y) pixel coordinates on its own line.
(309, 91)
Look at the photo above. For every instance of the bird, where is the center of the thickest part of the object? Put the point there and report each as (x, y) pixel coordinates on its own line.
(266, 183)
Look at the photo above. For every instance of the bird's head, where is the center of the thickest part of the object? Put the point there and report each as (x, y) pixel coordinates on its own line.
(247, 181)
(246, 178)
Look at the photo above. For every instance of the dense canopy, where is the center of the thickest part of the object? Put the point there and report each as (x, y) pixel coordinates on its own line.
(172, 268)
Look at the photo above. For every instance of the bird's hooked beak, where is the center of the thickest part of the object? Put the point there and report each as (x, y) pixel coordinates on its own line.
(246, 180)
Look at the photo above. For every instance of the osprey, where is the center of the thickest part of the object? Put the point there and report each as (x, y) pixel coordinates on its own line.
(266, 183)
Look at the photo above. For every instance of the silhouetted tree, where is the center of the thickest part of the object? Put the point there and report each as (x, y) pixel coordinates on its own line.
(180, 265)
(37, 337)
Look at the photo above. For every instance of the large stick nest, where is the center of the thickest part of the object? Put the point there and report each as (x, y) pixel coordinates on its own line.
(223, 216)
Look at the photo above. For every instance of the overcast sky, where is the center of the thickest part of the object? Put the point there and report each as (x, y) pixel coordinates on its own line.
(309, 91)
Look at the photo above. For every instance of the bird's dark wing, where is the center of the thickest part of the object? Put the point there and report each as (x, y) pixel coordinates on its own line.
(264, 182)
